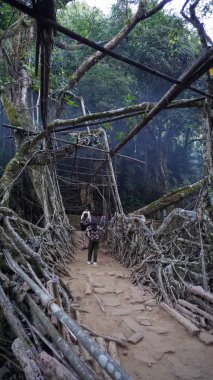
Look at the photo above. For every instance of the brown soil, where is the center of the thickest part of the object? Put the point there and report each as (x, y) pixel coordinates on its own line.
(167, 351)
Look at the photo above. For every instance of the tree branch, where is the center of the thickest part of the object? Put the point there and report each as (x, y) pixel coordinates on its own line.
(10, 32)
(142, 107)
(170, 199)
(64, 46)
(140, 15)
(24, 155)
(193, 19)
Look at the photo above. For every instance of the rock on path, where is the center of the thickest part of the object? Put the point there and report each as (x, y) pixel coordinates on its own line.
(158, 347)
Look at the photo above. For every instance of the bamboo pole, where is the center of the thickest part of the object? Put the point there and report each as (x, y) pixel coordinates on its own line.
(83, 371)
(114, 115)
(203, 63)
(103, 359)
(111, 169)
(30, 11)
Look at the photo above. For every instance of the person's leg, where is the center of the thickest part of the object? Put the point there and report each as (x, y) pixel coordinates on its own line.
(95, 252)
(83, 236)
(90, 249)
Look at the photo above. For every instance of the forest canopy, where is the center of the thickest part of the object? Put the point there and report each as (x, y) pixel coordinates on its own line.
(114, 113)
(164, 42)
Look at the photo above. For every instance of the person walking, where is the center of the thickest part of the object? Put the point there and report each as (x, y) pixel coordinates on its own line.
(94, 233)
(84, 223)
(86, 211)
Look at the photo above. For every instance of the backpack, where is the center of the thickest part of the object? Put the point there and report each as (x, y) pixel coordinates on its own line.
(95, 235)
(85, 221)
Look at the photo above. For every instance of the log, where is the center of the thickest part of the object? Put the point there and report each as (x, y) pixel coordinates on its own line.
(56, 291)
(120, 342)
(186, 313)
(23, 354)
(170, 199)
(85, 354)
(50, 289)
(35, 277)
(64, 347)
(199, 291)
(83, 338)
(53, 369)
(98, 370)
(201, 303)
(11, 318)
(112, 350)
(194, 330)
(196, 310)
(48, 344)
(101, 342)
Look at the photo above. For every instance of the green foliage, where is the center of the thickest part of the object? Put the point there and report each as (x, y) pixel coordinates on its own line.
(7, 16)
(103, 88)
(71, 102)
(107, 126)
(131, 99)
(163, 43)
(171, 145)
(84, 20)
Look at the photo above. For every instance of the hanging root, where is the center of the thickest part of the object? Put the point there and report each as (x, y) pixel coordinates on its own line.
(37, 306)
(175, 259)
(43, 254)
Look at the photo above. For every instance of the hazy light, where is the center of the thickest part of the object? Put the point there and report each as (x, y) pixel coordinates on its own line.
(174, 7)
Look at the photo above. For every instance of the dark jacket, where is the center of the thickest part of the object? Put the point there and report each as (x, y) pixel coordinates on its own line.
(94, 234)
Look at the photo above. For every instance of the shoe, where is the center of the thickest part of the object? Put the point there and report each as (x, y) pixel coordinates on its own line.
(95, 263)
(88, 262)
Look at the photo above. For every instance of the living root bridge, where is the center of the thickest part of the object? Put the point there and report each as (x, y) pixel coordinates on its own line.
(169, 259)
(102, 358)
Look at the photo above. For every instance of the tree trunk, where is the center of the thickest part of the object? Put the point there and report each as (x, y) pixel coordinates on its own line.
(170, 199)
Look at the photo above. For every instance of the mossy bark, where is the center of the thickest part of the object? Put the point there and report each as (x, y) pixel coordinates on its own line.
(170, 199)
(11, 112)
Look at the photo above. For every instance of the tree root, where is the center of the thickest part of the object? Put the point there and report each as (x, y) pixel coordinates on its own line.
(172, 259)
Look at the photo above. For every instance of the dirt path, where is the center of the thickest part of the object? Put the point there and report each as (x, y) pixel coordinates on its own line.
(166, 352)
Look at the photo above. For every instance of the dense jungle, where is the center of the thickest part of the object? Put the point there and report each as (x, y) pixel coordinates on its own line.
(112, 113)
(171, 146)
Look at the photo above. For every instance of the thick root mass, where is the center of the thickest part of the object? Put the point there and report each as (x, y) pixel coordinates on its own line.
(173, 258)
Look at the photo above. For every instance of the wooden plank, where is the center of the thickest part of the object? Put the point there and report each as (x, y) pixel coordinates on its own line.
(194, 330)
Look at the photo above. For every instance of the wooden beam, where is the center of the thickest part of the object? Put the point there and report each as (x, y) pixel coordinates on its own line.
(170, 199)
(194, 72)
(27, 10)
